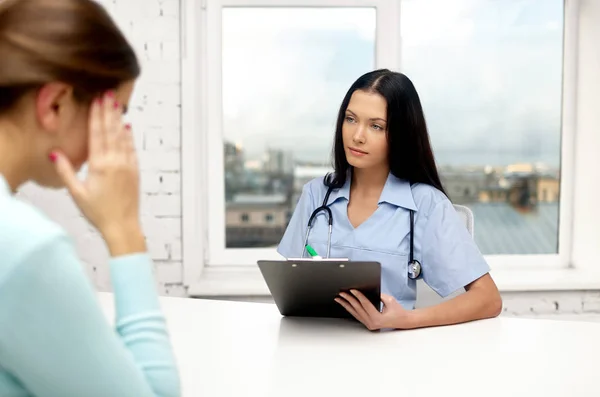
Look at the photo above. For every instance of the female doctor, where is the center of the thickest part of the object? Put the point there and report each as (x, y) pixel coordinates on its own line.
(384, 172)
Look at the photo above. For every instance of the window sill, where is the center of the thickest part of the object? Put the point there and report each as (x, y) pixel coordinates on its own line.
(557, 279)
(247, 281)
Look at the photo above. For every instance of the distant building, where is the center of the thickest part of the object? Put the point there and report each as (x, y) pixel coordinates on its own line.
(463, 184)
(548, 189)
(494, 194)
(523, 191)
(278, 162)
(523, 188)
(304, 174)
(233, 159)
(516, 210)
(256, 220)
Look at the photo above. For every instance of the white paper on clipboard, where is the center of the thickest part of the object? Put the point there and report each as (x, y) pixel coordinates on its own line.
(318, 259)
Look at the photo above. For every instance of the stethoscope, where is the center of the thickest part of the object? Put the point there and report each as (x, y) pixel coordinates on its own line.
(414, 267)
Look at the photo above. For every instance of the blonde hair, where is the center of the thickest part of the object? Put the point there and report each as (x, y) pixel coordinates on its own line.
(72, 41)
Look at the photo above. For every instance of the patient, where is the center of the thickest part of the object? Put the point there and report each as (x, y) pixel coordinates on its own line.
(66, 76)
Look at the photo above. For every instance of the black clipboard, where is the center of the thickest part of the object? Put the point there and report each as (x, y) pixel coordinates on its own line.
(307, 287)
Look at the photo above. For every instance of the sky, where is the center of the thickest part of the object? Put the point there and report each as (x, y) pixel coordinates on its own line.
(488, 73)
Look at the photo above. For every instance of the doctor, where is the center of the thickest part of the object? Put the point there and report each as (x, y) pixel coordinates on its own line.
(384, 171)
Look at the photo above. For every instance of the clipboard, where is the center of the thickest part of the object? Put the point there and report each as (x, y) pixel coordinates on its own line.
(307, 287)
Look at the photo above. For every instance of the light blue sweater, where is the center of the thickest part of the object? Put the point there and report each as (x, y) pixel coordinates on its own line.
(54, 338)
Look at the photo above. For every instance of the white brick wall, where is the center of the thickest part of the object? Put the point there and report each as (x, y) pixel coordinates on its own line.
(554, 304)
(153, 28)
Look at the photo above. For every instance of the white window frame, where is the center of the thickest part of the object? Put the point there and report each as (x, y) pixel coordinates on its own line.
(210, 269)
(385, 53)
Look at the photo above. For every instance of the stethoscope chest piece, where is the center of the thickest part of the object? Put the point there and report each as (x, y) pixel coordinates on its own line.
(414, 267)
(414, 270)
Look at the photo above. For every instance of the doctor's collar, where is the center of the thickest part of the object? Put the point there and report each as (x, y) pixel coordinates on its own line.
(396, 191)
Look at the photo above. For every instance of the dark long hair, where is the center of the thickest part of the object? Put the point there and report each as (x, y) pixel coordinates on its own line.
(409, 151)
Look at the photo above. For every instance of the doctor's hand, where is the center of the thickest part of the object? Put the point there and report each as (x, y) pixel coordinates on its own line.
(392, 316)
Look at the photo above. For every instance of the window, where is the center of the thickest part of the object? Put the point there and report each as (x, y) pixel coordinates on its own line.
(489, 75)
(283, 72)
(498, 82)
(490, 78)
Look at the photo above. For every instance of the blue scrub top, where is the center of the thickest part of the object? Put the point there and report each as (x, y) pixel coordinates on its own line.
(449, 257)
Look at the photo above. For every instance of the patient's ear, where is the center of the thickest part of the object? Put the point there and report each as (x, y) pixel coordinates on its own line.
(54, 106)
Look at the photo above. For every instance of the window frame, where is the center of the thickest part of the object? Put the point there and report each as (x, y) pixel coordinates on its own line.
(211, 269)
(386, 53)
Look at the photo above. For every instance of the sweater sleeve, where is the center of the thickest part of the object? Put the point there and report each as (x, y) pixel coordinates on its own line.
(56, 342)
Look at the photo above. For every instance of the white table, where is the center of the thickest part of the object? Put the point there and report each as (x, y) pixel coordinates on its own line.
(239, 349)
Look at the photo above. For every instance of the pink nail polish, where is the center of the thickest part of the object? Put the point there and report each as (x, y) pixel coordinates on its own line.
(52, 156)
(116, 105)
(128, 127)
(110, 94)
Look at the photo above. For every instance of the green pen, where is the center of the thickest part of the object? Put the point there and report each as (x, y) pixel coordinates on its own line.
(311, 251)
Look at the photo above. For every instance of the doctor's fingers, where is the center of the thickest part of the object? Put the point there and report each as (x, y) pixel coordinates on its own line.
(365, 303)
(351, 310)
(358, 308)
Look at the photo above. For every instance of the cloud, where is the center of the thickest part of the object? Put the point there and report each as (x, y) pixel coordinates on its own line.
(495, 96)
(489, 75)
